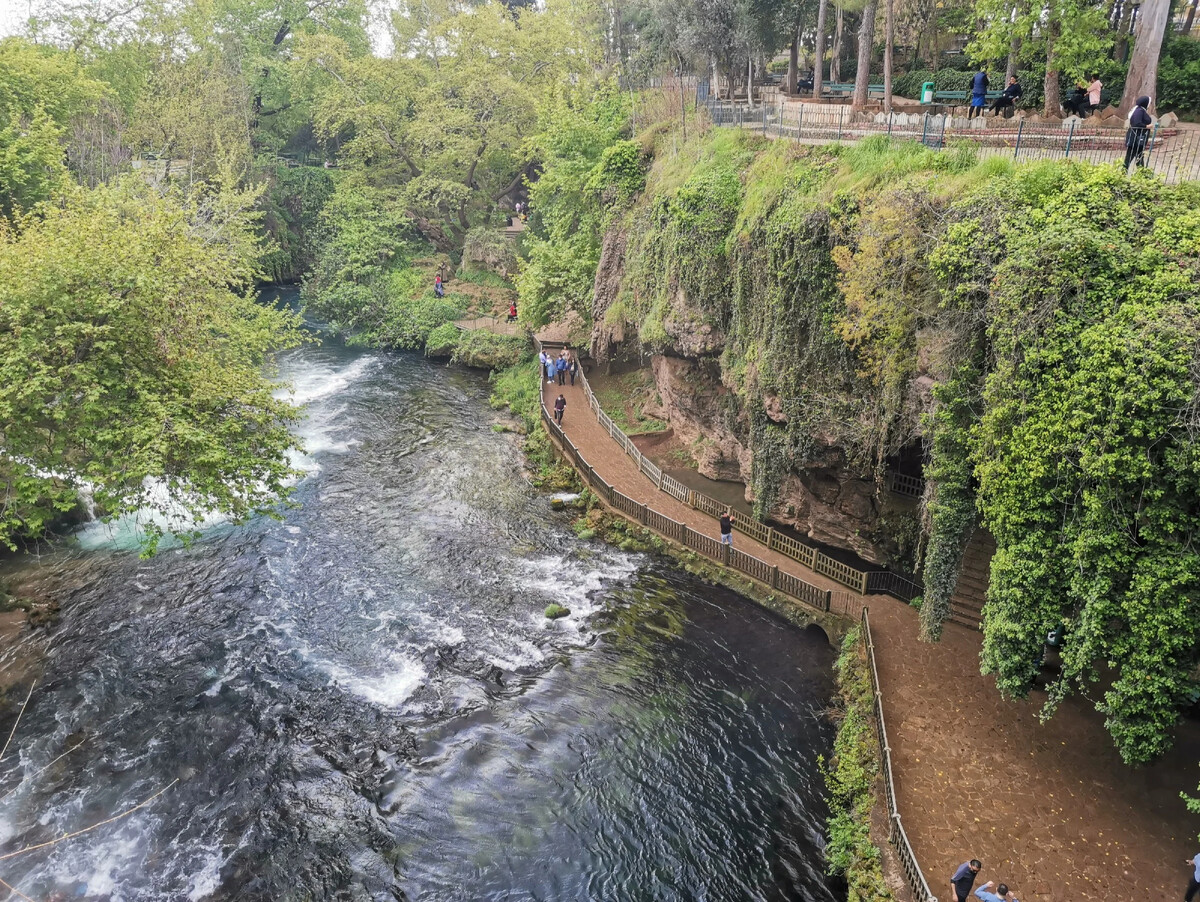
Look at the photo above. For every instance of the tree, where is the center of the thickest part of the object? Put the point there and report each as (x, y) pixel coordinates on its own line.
(1071, 35)
(866, 45)
(1142, 77)
(889, 40)
(132, 357)
(41, 91)
(819, 52)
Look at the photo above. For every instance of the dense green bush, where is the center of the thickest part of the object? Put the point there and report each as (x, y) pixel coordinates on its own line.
(1179, 76)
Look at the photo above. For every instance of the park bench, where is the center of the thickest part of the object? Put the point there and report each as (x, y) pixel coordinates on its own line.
(846, 89)
(963, 97)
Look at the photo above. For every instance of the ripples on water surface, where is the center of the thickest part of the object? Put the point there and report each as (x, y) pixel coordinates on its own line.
(364, 701)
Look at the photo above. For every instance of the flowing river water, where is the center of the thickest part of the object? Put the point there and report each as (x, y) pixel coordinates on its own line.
(364, 700)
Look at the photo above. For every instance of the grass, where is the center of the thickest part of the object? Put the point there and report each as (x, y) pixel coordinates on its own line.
(625, 397)
(484, 278)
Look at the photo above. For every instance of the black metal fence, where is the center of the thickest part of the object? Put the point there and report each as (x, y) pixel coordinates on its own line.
(1174, 154)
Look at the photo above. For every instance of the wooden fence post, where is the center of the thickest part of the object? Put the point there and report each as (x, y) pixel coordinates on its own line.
(863, 583)
(642, 516)
(774, 577)
(828, 600)
(771, 542)
(724, 554)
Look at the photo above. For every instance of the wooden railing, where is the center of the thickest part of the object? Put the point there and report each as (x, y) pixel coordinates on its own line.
(768, 574)
(896, 835)
(861, 581)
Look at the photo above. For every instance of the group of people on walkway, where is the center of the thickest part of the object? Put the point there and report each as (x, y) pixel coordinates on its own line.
(562, 367)
(964, 879)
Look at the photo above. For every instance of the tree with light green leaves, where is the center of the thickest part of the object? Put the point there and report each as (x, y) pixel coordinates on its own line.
(1072, 36)
(134, 359)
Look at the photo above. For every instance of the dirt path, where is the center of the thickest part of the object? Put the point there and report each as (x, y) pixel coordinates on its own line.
(1049, 808)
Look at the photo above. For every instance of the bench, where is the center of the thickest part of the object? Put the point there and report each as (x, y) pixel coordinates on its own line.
(846, 89)
(963, 96)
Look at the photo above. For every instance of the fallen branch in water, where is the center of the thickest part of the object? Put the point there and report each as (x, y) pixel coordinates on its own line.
(96, 826)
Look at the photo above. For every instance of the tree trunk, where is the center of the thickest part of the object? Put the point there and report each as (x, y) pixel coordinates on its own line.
(1053, 104)
(793, 63)
(819, 52)
(750, 81)
(889, 29)
(1121, 45)
(835, 64)
(1142, 76)
(682, 102)
(1014, 46)
(1191, 14)
(866, 42)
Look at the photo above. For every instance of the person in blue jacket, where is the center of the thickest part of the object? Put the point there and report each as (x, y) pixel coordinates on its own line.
(979, 86)
(560, 368)
(1001, 894)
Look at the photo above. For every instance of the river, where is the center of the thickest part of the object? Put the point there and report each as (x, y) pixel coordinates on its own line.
(363, 700)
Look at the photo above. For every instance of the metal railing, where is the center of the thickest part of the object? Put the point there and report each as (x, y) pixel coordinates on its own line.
(1173, 154)
(896, 835)
(863, 582)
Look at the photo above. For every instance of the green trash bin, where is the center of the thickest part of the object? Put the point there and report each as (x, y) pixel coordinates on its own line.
(927, 92)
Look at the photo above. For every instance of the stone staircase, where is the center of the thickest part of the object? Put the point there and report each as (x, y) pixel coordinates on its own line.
(966, 604)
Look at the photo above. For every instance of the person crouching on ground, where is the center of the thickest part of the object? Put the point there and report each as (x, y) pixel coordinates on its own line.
(1002, 893)
(964, 879)
(727, 528)
(560, 407)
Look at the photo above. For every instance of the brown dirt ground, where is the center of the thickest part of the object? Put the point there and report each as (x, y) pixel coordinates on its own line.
(1049, 808)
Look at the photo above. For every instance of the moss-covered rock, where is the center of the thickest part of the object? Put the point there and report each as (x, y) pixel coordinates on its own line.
(554, 611)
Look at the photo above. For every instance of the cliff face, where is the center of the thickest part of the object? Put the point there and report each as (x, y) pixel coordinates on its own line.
(826, 496)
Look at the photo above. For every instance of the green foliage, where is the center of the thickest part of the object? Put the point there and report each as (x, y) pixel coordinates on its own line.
(41, 90)
(519, 389)
(132, 356)
(292, 205)
(1179, 75)
(554, 611)
(908, 84)
(443, 341)
(576, 129)
(491, 351)
(850, 778)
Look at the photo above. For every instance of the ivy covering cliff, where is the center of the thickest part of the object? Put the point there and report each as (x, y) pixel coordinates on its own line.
(1032, 331)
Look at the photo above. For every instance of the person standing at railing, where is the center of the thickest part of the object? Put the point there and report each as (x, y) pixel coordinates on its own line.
(964, 879)
(573, 368)
(560, 368)
(1138, 134)
(560, 407)
(727, 527)
(1093, 93)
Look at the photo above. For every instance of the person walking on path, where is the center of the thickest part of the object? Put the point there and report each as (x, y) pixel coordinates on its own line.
(727, 528)
(560, 368)
(560, 406)
(979, 86)
(1138, 134)
(1002, 893)
(1193, 881)
(573, 368)
(964, 879)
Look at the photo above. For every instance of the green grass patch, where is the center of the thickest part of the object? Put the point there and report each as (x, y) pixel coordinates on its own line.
(850, 778)
(625, 397)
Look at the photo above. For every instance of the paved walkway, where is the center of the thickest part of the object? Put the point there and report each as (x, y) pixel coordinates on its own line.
(619, 471)
(1050, 808)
